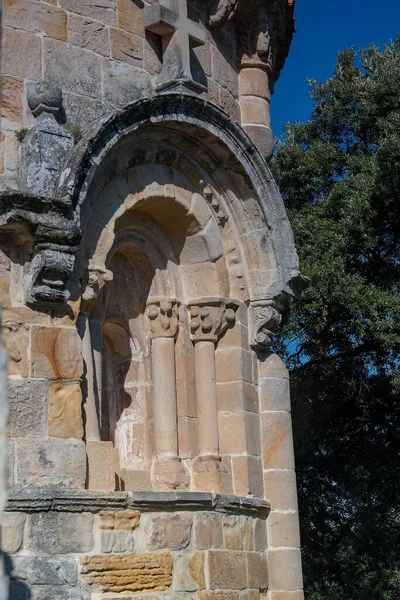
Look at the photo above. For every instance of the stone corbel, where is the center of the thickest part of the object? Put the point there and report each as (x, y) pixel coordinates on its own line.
(47, 276)
(96, 279)
(264, 318)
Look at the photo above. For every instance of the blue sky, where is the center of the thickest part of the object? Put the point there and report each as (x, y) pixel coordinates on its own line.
(323, 28)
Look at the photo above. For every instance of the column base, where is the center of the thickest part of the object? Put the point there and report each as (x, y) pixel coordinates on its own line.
(207, 473)
(170, 473)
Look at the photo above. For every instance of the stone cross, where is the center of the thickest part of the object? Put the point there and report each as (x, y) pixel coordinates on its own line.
(179, 34)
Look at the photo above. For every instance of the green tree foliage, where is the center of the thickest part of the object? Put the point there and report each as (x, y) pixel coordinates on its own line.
(339, 174)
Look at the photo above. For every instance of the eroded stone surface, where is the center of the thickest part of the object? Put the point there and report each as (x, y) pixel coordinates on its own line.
(65, 532)
(28, 408)
(129, 573)
(65, 410)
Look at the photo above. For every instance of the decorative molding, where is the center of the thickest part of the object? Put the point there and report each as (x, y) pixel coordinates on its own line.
(265, 318)
(163, 317)
(210, 318)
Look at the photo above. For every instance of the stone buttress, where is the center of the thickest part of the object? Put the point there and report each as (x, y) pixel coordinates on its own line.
(145, 260)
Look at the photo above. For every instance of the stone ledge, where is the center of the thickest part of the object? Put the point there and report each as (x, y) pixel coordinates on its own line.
(51, 498)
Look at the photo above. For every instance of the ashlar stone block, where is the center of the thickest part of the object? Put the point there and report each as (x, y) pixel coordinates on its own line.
(65, 532)
(21, 54)
(283, 529)
(284, 566)
(277, 440)
(126, 47)
(28, 407)
(56, 353)
(124, 520)
(12, 531)
(65, 410)
(238, 532)
(189, 572)
(101, 10)
(227, 570)
(257, 570)
(130, 17)
(37, 17)
(207, 530)
(11, 99)
(43, 570)
(281, 489)
(88, 34)
(129, 572)
(166, 530)
(116, 541)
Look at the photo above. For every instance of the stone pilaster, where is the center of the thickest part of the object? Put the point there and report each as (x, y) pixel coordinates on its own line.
(163, 320)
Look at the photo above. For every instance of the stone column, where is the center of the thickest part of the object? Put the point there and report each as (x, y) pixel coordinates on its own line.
(168, 470)
(209, 319)
(284, 557)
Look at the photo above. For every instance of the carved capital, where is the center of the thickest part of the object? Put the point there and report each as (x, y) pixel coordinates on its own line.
(163, 317)
(265, 318)
(48, 274)
(210, 318)
(97, 278)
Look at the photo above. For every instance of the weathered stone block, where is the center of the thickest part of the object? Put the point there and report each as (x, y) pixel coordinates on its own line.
(52, 593)
(124, 83)
(65, 532)
(101, 10)
(21, 54)
(37, 17)
(130, 17)
(283, 529)
(281, 489)
(277, 440)
(28, 407)
(218, 596)
(82, 110)
(88, 34)
(228, 103)
(124, 520)
(226, 570)
(126, 47)
(238, 532)
(237, 395)
(12, 531)
(257, 570)
(16, 339)
(284, 566)
(45, 570)
(234, 364)
(260, 534)
(65, 410)
(116, 541)
(101, 472)
(130, 572)
(56, 353)
(166, 530)
(271, 365)
(274, 394)
(239, 433)
(189, 572)
(207, 530)
(53, 461)
(72, 67)
(255, 110)
(298, 595)
(223, 72)
(11, 99)
(248, 476)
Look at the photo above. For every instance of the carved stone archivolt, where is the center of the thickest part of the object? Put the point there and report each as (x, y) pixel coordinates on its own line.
(265, 318)
(210, 318)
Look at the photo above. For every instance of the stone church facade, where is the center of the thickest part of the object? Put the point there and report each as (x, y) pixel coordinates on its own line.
(145, 260)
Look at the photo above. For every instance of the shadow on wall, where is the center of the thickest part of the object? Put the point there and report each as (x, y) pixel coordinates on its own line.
(18, 589)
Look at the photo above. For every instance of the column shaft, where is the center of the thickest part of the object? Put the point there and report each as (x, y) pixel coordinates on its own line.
(206, 390)
(164, 396)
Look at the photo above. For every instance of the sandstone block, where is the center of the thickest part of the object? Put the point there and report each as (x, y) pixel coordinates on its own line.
(45, 570)
(101, 472)
(254, 82)
(248, 476)
(124, 520)
(284, 566)
(298, 595)
(12, 90)
(65, 410)
(203, 56)
(226, 570)
(72, 67)
(130, 572)
(53, 461)
(101, 10)
(28, 407)
(218, 596)
(116, 541)
(65, 532)
(12, 531)
(281, 489)
(283, 529)
(257, 570)
(274, 394)
(271, 365)
(126, 47)
(207, 530)
(239, 433)
(130, 17)
(88, 34)
(166, 530)
(255, 110)
(189, 572)
(52, 593)
(3, 283)
(37, 17)
(238, 532)
(260, 534)
(123, 83)
(16, 339)
(237, 395)
(223, 72)
(234, 364)
(56, 353)
(229, 104)
(21, 54)
(135, 480)
(277, 440)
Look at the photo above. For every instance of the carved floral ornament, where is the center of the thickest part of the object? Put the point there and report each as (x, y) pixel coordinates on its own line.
(210, 318)
(265, 318)
(163, 317)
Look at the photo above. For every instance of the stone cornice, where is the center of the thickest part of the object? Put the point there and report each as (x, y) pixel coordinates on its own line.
(47, 499)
